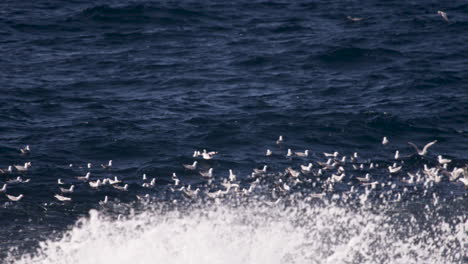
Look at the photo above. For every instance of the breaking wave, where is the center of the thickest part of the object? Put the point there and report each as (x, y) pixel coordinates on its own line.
(257, 231)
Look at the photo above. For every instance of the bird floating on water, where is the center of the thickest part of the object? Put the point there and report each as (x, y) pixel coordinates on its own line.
(302, 154)
(95, 184)
(3, 189)
(62, 198)
(25, 150)
(268, 153)
(23, 168)
(354, 19)
(442, 160)
(191, 167)
(69, 190)
(207, 174)
(121, 188)
(385, 141)
(108, 166)
(84, 178)
(280, 140)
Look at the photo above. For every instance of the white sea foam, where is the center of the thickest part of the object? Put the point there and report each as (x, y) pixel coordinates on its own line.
(256, 233)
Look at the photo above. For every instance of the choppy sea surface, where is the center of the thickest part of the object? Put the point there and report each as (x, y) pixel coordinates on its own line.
(147, 83)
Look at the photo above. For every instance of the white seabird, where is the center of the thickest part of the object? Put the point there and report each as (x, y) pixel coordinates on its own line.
(207, 174)
(121, 188)
(23, 168)
(84, 178)
(25, 150)
(422, 152)
(3, 189)
(95, 184)
(14, 198)
(191, 167)
(62, 198)
(108, 166)
(307, 168)
(394, 169)
(442, 160)
(443, 15)
(69, 190)
(302, 154)
(268, 153)
(334, 154)
(280, 140)
(232, 176)
(385, 141)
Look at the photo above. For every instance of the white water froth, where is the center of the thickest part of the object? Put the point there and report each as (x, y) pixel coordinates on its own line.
(255, 233)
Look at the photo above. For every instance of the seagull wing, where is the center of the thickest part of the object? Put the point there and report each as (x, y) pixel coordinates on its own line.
(414, 146)
(428, 145)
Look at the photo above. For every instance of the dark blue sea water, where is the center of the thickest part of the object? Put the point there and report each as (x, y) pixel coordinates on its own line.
(146, 83)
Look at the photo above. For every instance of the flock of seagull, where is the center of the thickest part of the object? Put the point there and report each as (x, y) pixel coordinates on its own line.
(325, 174)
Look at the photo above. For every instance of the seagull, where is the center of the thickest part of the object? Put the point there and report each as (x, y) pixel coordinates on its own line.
(423, 152)
(334, 154)
(394, 169)
(120, 188)
(114, 181)
(89, 165)
(196, 153)
(337, 178)
(84, 178)
(268, 153)
(262, 171)
(62, 198)
(280, 140)
(95, 184)
(364, 179)
(69, 190)
(14, 198)
(384, 141)
(232, 176)
(105, 200)
(3, 189)
(443, 15)
(108, 166)
(292, 172)
(302, 154)
(23, 168)
(442, 160)
(18, 179)
(207, 174)
(26, 150)
(397, 154)
(306, 168)
(208, 155)
(60, 182)
(354, 19)
(191, 167)
(289, 154)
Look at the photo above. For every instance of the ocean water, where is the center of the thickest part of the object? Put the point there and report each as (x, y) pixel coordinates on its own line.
(146, 83)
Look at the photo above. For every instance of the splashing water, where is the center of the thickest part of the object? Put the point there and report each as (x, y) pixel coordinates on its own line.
(258, 232)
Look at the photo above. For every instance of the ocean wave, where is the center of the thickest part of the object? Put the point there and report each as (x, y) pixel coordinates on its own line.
(257, 232)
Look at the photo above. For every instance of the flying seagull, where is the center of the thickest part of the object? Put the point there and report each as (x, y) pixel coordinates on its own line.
(423, 152)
